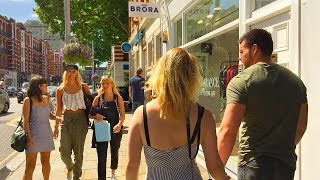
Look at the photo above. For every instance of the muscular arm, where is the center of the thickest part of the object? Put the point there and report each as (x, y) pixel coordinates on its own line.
(229, 128)
(302, 122)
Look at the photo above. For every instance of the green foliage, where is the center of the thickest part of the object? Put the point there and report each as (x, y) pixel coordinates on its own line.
(103, 22)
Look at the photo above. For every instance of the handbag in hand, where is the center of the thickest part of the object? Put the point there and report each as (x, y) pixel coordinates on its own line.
(19, 136)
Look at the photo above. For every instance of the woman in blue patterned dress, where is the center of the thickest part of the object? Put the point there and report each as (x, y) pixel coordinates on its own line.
(37, 127)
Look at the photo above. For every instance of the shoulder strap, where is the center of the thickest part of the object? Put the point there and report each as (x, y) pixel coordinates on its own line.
(196, 131)
(100, 100)
(115, 97)
(145, 122)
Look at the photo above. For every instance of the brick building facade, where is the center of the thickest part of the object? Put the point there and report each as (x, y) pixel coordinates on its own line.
(23, 56)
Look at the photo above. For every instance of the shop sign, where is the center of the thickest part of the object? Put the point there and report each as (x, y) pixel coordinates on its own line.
(125, 47)
(148, 10)
(137, 38)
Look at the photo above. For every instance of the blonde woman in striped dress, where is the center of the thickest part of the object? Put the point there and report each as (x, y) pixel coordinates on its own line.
(170, 127)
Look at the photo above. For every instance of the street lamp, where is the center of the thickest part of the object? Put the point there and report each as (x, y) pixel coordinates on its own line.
(67, 20)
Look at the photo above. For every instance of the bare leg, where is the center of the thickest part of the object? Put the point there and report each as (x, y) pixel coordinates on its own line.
(31, 159)
(45, 162)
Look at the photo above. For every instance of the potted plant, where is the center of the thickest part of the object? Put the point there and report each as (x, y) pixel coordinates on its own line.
(76, 53)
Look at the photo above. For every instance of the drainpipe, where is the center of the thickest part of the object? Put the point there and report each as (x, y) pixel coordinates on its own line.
(299, 74)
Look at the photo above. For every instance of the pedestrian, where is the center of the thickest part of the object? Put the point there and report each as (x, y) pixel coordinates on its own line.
(136, 93)
(2, 84)
(108, 106)
(271, 104)
(74, 125)
(163, 126)
(37, 127)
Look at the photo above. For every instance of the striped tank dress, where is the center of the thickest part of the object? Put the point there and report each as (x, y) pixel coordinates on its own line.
(170, 164)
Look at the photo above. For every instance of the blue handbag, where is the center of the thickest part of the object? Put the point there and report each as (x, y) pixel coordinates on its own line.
(102, 131)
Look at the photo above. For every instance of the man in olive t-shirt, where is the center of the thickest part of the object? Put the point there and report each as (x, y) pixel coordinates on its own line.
(271, 103)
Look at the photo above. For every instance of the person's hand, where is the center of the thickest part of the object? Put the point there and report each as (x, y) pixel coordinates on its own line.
(117, 128)
(29, 142)
(56, 132)
(99, 117)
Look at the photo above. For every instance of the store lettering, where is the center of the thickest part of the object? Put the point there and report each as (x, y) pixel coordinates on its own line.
(212, 82)
(208, 93)
(144, 9)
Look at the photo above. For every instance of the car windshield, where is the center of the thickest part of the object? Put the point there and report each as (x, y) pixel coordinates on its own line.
(11, 88)
(52, 88)
(25, 85)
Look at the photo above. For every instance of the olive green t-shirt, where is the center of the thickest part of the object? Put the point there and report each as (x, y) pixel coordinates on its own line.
(273, 96)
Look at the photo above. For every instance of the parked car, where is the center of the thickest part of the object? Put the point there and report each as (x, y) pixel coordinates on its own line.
(12, 91)
(23, 92)
(4, 101)
(123, 90)
(52, 91)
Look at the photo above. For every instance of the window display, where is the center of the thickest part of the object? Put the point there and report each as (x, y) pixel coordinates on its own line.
(208, 15)
(217, 59)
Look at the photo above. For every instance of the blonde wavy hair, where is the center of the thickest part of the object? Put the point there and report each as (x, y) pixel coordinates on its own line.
(176, 81)
(65, 79)
(114, 88)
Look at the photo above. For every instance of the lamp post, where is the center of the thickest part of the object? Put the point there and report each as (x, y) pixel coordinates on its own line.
(67, 21)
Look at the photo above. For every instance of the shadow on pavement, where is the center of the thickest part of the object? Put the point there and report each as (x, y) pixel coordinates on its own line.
(4, 173)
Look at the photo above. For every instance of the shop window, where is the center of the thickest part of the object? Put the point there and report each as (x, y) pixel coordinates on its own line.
(178, 33)
(216, 58)
(260, 3)
(158, 47)
(150, 53)
(208, 15)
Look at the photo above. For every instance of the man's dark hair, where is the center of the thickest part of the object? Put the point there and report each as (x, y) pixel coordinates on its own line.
(139, 71)
(261, 37)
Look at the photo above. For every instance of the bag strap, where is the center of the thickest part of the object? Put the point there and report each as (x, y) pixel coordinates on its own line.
(20, 122)
(196, 131)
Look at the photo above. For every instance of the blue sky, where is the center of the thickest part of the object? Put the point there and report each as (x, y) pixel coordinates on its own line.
(20, 10)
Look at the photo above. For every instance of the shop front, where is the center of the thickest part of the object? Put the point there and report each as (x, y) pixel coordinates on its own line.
(210, 29)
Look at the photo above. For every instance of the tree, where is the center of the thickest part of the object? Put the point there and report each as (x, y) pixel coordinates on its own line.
(103, 22)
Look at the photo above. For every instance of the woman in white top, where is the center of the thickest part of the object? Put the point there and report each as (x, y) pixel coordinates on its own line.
(74, 127)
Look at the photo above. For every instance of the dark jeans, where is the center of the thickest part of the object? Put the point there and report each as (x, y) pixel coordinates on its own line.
(135, 105)
(265, 168)
(102, 149)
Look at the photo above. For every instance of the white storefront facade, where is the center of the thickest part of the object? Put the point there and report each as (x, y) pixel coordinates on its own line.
(209, 29)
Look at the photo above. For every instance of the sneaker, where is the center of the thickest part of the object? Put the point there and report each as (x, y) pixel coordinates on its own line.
(113, 176)
(69, 175)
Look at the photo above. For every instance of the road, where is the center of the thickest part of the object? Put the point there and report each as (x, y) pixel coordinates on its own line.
(8, 122)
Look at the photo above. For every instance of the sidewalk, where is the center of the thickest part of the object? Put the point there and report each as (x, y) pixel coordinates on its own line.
(16, 166)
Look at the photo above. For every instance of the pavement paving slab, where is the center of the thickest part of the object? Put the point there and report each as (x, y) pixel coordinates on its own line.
(15, 168)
